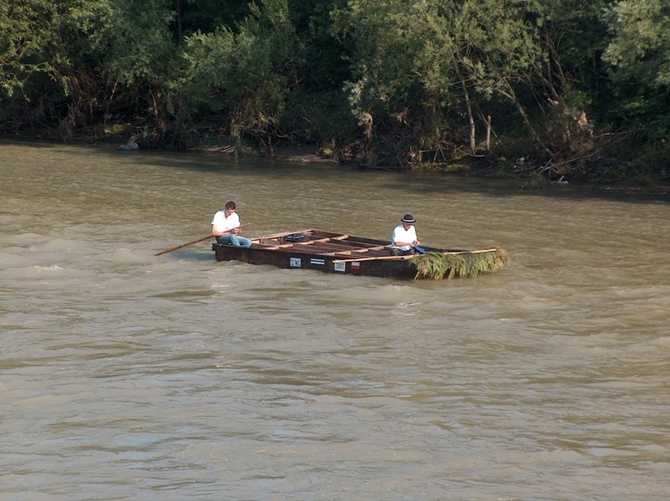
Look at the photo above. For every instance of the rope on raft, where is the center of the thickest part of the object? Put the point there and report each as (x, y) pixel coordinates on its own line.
(466, 265)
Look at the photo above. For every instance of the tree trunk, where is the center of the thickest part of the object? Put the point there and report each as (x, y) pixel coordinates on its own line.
(471, 119)
(524, 116)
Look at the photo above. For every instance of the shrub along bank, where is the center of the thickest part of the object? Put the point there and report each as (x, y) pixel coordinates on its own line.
(549, 90)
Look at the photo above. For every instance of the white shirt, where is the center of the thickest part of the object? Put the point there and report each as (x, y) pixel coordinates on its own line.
(400, 234)
(223, 223)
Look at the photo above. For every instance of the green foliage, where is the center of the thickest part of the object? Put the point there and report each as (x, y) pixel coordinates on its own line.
(641, 43)
(207, 16)
(438, 47)
(31, 45)
(386, 47)
(245, 75)
(130, 39)
(326, 56)
(70, 55)
(394, 82)
(437, 265)
(639, 55)
(438, 64)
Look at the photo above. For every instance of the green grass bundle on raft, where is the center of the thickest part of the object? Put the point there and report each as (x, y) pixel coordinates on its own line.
(462, 265)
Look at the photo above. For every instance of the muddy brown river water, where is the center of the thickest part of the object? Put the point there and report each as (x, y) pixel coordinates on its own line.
(128, 376)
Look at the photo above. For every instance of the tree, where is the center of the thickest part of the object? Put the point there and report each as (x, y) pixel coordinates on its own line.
(640, 47)
(129, 46)
(440, 60)
(639, 55)
(74, 54)
(245, 74)
(32, 58)
(491, 48)
(206, 16)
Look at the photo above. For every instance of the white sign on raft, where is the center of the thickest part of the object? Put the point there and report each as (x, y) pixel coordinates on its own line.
(295, 262)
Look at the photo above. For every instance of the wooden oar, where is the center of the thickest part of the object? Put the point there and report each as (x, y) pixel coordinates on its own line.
(194, 242)
(184, 245)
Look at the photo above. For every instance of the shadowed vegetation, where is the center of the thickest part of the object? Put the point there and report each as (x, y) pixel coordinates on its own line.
(549, 90)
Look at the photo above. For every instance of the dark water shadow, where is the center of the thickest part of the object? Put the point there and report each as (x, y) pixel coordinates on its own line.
(402, 181)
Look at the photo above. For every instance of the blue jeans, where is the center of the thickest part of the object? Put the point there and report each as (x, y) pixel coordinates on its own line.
(395, 251)
(234, 240)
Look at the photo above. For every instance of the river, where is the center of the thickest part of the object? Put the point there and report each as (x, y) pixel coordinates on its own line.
(129, 376)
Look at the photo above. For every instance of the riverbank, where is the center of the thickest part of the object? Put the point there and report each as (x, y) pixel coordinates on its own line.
(478, 167)
(282, 152)
(488, 167)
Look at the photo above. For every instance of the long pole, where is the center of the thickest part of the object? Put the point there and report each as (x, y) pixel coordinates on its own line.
(194, 242)
(183, 245)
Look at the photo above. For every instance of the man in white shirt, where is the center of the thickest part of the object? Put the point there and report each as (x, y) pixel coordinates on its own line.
(404, 237)
(226, 227)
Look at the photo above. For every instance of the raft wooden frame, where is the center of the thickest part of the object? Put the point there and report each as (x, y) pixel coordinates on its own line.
(332, 252)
